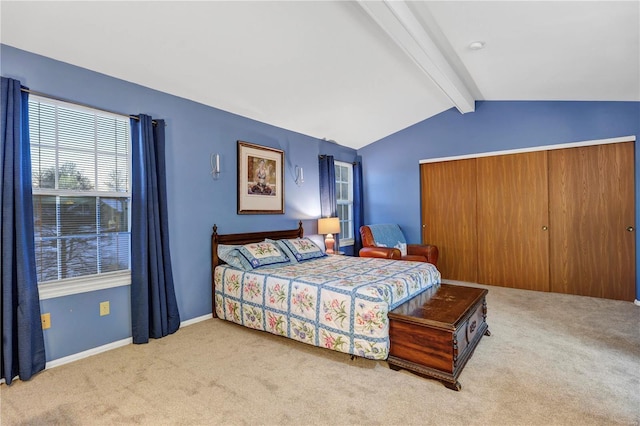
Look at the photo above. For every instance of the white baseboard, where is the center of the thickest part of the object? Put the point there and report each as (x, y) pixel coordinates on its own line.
(195, 320)
(85, 354)
(113, 345)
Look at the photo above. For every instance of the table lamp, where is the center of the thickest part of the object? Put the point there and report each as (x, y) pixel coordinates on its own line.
(329, 226)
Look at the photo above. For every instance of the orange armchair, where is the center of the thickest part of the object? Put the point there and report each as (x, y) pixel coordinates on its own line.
(390, 243)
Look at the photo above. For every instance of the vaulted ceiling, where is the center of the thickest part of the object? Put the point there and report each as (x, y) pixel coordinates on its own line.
(350, 71)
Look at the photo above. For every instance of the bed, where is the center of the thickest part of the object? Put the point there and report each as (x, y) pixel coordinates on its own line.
(330, 301)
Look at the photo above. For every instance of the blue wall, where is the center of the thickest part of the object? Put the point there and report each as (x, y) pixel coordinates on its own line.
(196, 201)
(393, 162)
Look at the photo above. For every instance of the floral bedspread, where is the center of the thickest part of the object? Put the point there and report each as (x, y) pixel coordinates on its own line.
(336, 302)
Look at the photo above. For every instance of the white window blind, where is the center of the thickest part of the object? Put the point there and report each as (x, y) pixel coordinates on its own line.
(344, 198)
(80, 162)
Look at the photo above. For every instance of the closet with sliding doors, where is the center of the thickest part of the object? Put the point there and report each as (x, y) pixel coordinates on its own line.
(559, 220)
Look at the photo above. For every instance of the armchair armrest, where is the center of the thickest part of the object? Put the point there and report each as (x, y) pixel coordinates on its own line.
(426, 250)
(381, 252)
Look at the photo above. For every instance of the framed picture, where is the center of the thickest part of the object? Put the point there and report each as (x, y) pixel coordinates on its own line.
(260, 179)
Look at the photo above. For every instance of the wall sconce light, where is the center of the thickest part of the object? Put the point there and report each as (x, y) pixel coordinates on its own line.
(329, 226)
(214, 160)
(299, 176)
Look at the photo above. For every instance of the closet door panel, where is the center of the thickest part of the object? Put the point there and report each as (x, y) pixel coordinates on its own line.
(592, 206)
(449, 216)
(513, 237)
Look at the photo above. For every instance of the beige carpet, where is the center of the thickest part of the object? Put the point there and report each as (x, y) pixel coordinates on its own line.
(551, 359)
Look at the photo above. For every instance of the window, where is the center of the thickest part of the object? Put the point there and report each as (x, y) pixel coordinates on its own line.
(80, 161)
(344, 198)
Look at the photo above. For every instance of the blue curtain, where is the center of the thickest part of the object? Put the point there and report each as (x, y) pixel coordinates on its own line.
(154, 310)
(328, 203)
(22, 351)
(358, 207)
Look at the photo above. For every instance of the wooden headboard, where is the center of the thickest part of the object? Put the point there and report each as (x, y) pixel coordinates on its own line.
(240, 239)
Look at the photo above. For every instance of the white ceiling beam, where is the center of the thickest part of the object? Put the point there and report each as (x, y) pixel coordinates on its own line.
(397, 20)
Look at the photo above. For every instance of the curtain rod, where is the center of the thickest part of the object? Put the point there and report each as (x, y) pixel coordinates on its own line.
(321, 156)
(56, 98)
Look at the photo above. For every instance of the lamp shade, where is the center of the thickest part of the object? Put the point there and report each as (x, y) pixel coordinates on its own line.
(328, 225)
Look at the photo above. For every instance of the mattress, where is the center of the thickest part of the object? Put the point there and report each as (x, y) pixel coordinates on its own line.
(335, 302)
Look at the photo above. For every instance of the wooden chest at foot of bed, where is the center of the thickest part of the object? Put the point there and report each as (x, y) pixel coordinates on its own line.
(435, 333)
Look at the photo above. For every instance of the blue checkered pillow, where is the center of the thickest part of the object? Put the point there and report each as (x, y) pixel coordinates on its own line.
(232, 257)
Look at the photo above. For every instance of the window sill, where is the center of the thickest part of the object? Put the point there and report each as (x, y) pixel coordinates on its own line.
(72, 286)
(346, 242)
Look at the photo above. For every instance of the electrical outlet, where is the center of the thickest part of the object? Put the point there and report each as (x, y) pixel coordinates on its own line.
(104, 308)
(46, 321)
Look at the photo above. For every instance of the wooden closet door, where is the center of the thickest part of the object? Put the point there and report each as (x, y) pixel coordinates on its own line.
(449, 216)
(591, 208)
(513, 237)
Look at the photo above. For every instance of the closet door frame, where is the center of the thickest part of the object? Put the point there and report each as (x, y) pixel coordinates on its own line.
(631, 138)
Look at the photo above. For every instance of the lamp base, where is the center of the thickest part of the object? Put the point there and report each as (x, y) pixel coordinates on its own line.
(329, 243)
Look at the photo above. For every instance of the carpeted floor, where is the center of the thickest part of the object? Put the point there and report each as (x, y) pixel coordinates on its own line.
(552, 359)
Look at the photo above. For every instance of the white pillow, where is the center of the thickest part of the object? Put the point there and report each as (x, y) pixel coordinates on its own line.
(319, 240)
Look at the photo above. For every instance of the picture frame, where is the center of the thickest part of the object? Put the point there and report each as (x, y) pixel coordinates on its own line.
(260, 179)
